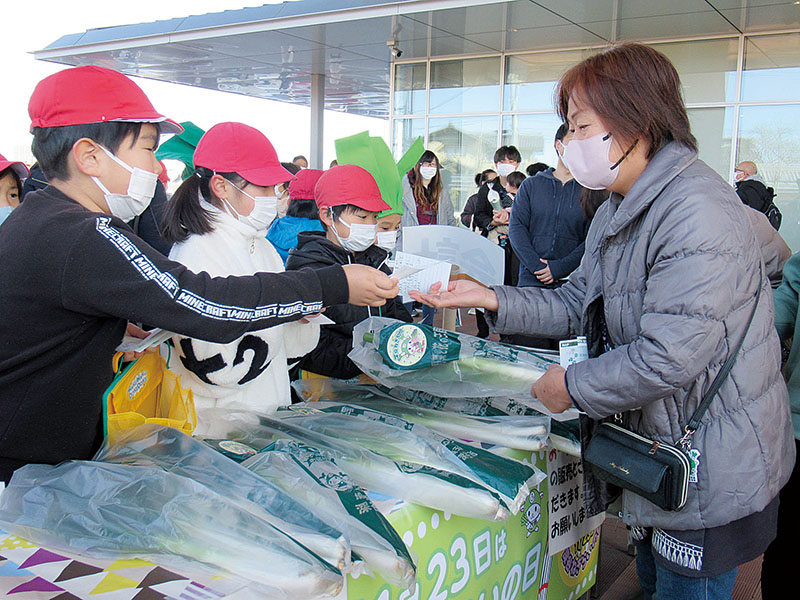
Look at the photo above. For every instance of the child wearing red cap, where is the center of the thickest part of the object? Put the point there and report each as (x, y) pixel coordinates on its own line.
(301, 214)
(74, 275)
(217, 220)
(349, 202)
(11, 175)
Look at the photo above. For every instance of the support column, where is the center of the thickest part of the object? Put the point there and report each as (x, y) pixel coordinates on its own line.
(317, 97)
(317, 119)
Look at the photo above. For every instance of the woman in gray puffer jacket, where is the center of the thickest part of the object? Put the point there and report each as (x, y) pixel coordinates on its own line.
(664, 291)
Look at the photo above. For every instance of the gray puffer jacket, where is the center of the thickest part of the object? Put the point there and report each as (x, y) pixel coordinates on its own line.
(676, 265)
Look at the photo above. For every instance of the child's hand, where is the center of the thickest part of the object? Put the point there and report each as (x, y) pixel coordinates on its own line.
(368, 286)
(140, 333)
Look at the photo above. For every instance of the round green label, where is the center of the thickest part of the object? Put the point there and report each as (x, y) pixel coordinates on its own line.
(406, 345)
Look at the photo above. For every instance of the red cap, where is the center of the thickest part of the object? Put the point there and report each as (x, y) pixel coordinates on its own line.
(239, 148)
(349, 184)
(90, 94)
(163, 177)
(19, 168)
(302, 188)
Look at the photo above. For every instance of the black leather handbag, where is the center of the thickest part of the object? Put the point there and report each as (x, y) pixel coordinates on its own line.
(657, 471)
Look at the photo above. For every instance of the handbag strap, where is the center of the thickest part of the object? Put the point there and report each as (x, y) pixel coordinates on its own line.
(694, 422)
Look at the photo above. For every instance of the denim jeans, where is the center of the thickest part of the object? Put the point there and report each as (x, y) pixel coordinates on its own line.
(427, 314)
(659, 583)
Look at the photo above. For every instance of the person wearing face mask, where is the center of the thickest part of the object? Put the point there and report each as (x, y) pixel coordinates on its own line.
(12, 173)
(426, 201)
(670, 287)
(283, 188)
(301, 213)
(349, 202)
(74, 275)
(217, 220)
(493, 197)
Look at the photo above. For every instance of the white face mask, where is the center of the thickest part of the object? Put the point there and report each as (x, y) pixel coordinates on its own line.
(588, 161)
(141, 187)
(505, 169)
(6, 210)
(265, 209)
(387, 240)
(428, 172)
(361, 236)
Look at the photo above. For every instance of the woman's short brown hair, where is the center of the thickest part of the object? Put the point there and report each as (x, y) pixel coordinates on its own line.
(636, 92)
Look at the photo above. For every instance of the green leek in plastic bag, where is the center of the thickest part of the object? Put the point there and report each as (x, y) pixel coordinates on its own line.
(402, 479)
(174, 451)
(112, 510)
(522, 432)
(396, 438)
(314, 478)
(446, 363)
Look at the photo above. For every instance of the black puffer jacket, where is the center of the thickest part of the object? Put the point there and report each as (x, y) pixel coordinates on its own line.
(329, 358)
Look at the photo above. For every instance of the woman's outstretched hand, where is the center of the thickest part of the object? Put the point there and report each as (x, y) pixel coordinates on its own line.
(459, 294)
(551, 390)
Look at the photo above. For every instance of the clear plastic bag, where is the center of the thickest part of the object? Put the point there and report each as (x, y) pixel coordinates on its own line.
(448, 364)
(102, 509)
(314, 479)
(402, 440)
(521, 432)
(170, 449)
(404, 480)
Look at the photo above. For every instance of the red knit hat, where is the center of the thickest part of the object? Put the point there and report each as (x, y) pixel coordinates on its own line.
(302, 187)
(349, 184)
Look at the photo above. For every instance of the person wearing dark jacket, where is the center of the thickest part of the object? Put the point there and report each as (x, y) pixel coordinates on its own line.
(548, 225)
(493, 196)
(468, 213)
(751, 188)
(349, 201)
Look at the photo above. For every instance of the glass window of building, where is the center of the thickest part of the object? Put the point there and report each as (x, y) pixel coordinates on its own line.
(410, 89)
(404, 134)
(465, 86)
(530, 79)
(533, 135)
(771, 68)
(707, 68)
(464, 146)
(770, 137)
(713, 129)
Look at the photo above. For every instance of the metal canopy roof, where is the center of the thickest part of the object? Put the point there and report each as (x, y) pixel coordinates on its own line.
(273, 51)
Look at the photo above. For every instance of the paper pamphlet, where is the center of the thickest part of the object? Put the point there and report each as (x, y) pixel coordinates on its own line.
(428, 271)
(134, 344)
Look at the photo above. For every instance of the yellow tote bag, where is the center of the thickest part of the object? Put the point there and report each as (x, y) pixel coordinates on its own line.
(146, 391)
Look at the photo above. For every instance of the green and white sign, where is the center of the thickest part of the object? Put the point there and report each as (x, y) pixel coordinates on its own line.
(471, 559)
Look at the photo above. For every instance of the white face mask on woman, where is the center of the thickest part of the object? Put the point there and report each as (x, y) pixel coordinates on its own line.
(265, 209)
(428, 173)
(361, 236)
(588, 161)
(141, 187)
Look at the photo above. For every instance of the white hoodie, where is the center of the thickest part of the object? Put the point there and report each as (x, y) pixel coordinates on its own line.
(250, 373)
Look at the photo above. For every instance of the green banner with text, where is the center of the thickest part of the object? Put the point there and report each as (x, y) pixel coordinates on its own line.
(470, 559)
